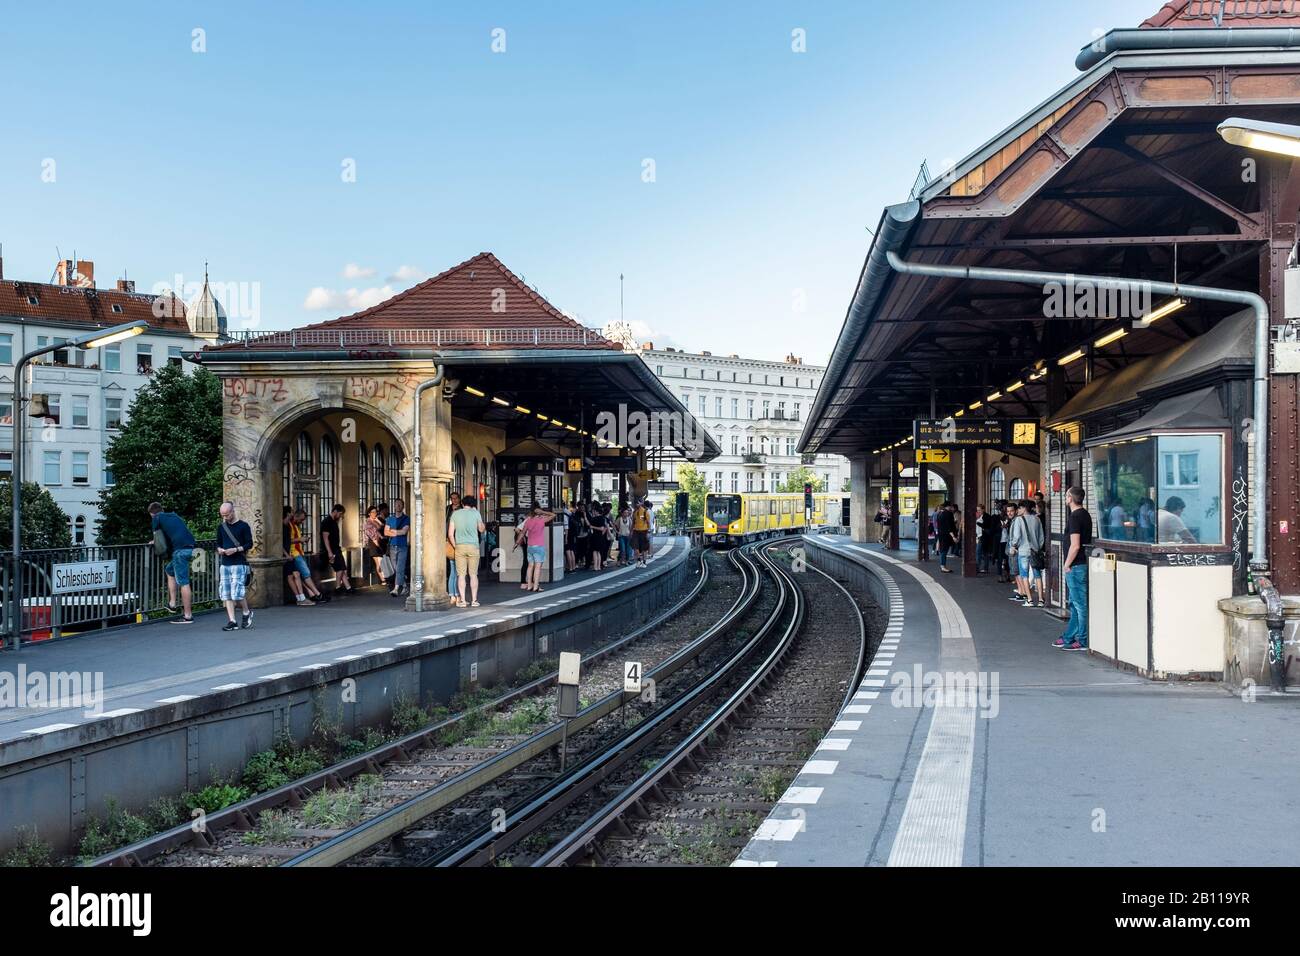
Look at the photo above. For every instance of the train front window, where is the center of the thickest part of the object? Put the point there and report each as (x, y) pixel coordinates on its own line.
(723, 509)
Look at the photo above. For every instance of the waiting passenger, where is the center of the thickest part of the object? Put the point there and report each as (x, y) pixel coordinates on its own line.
(641, 533)
(945, 533)
(1172, 528)
(1027, 546)
(533, 534)
(463, 532)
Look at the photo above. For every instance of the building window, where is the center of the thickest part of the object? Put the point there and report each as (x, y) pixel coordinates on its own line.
(717, 408)
(735, 408)
(6, 411)
(327, 476)
(53, 474)
(797, 407)
(394, 474)
(997, 484)
(79, 530)
(111, 356)
(458, 473)
(735, 444)
(6, 348)
(80, 411)
(704, 405)
(286, 480)
(55, 405)
(174, 355)
(717, 481)
(789, 447)
(109, 480)
(378, 473)
(749, 407)
(112, 413)
(767, 409)
(1017, 489)
(749, 481)
(780, 409)
(144, 359)
(7, 463)
(735, 481)
(363, 481)
(659, 370)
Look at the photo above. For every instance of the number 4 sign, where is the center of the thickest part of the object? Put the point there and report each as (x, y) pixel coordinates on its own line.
(632, 677)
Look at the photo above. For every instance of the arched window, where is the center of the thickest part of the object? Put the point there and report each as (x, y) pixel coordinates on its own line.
(304, 467)
(286, 480)
(473, 488)
(487, 495)
(458, 473)
(1017, 489)
(378, 474)
(79, 530)
(327, 476)
(394, 474)
(997, 485)
(363, 482)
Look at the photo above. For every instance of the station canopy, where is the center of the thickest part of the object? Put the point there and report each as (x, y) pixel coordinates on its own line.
(1120, 173)
(519, 363)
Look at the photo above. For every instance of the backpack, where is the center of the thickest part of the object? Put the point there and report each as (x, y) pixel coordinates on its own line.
(161, 548)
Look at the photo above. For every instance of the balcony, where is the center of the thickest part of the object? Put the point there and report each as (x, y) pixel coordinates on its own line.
(753, 458)
(777, 415)
(808, 459)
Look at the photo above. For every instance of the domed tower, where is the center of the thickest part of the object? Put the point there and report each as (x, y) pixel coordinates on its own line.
(206, 316)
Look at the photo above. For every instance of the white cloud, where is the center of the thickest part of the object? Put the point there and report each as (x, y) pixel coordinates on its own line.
(354, 271)
(347, 301)
(408, 274)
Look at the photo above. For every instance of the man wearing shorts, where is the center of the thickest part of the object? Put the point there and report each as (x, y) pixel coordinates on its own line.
(641, 533)
(180, 552)
(234, 541)
(332, 553)
(463, 530)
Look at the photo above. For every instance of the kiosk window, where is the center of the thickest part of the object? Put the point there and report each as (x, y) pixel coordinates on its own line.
(1160, 489)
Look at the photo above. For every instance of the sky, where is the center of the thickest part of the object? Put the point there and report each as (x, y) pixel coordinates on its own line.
(322, 156)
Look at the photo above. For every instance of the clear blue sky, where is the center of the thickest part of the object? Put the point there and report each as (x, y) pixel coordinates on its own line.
(769, 164)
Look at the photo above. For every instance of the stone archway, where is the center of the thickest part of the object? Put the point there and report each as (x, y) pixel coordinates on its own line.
(266, 406)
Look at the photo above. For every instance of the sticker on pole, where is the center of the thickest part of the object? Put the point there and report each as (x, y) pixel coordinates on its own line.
(632, 677)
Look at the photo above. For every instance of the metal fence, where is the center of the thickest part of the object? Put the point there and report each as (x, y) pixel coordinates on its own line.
(140, 589)
(361, 339)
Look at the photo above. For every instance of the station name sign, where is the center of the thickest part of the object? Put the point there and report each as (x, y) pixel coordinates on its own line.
(85, 576)
(973, 433)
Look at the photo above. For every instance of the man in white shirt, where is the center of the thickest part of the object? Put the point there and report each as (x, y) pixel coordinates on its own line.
(1170, 527)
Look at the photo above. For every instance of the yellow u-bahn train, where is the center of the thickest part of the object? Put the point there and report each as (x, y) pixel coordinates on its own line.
(736, 518)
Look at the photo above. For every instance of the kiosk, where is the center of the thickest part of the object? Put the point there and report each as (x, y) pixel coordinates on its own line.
(528, 473)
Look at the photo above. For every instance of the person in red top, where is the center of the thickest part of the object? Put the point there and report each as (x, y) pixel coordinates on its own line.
(532, 533)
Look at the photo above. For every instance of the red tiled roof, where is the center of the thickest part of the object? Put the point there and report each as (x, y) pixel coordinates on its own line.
(57, 303)
(478, 294)
(1204, 14)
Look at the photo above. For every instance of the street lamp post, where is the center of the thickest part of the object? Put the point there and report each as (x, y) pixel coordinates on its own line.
(90, 340)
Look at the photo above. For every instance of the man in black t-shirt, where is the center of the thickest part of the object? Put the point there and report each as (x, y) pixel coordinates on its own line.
(331, 552)
(1078, 536)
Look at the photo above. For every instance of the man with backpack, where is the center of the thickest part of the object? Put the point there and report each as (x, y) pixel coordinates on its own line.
(172, 538)
(1027, 543)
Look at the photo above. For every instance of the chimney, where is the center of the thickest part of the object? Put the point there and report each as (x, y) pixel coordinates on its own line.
(79, 273)
(648, 346)
(125, 285)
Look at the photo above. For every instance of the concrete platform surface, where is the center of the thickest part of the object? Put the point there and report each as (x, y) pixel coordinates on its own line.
(161, 663)
(1058, 758)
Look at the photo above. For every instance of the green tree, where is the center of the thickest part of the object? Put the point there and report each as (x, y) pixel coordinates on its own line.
(44, 523)
(690, 480)
(169, 450)
(794, 481)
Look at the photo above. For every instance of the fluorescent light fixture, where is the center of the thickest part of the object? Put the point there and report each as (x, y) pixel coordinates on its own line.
(570, 428)
(556, 421)
(1110, 337)
(1072, 357)
(995, 396)
(526, 411)
(1255, 134)
(98, 339)
(1170, 307)
(544, 418)
(959, 413)
(500, 401)
(975, 405)
(474, 391)
(1015, 385)
(1037, 375)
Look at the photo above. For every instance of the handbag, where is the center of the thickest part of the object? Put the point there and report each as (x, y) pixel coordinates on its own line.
(1038, 559)
(451, 551)
(387, 566)
(160, 546)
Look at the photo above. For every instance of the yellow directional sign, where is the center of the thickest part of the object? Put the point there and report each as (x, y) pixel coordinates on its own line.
(933, 456)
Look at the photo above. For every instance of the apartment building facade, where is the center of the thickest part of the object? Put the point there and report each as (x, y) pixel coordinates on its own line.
(86, 393)
(755, 410)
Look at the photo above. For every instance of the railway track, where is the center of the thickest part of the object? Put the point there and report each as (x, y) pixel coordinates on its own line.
(766, 704)
(390, 773)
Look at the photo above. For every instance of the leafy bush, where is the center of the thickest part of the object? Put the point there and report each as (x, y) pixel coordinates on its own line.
(30, 851)
(214, 797)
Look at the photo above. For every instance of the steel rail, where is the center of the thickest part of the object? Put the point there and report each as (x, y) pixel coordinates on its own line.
(406, 814)
(594, 827)
(243, 815)
(529, 815)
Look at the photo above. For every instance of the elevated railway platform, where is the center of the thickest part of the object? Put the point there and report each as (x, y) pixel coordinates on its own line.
(1030, 755)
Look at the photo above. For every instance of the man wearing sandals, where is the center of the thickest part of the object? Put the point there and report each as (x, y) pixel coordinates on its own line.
(463, 530)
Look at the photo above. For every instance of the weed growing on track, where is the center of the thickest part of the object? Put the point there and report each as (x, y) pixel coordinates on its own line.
(772, 782)
(30, 850)
(273, 826)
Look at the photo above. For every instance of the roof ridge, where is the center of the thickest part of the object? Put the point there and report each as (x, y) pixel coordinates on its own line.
(399, 296)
